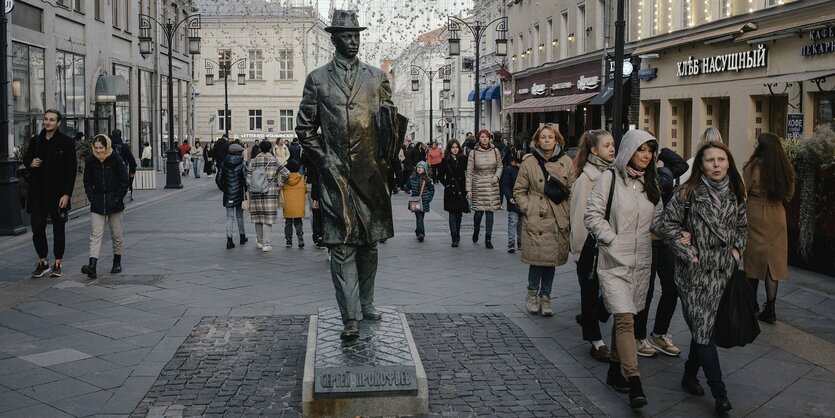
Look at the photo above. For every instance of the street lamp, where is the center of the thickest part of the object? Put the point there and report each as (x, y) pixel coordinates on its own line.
(11, 221)
(478, 30)
(430, 74)
(226, 67)
(169, 28)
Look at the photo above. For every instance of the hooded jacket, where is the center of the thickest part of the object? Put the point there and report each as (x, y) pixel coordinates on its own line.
(294, 191)
(625, 242)
(234, 173)
(106, 183)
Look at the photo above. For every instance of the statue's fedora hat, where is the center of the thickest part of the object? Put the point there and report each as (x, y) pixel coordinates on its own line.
(344, 20)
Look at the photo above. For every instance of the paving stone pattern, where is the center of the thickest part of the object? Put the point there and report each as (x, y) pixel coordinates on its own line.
(381, 343)
(476, 365)
(485, 365)
(234, 367)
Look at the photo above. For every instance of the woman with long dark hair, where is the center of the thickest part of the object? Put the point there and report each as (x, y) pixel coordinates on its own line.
(705, 225)
(769, 180)
(625, 254)
(597, 153)
(454, 176)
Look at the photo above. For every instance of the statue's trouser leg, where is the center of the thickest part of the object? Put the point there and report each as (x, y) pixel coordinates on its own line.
(345, 280)
(367, 270)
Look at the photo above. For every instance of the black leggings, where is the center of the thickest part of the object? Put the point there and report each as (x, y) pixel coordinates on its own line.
(488, 223)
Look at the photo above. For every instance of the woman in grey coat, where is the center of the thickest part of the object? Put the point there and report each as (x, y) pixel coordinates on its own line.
(625, 258)
(707, 239)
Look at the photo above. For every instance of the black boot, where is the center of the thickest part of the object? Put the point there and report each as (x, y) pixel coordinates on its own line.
(723, 404)
(690, 380)
(229, 243)
(768, 315)
(475, 233)
(244, 239)
(117, 264)
(637, 399)
(90, 269)
(615, 379)
(487, 242)
(455, 239)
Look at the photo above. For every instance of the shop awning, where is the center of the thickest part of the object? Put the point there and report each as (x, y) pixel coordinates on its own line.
(606, 93)
(490, 93)
(790, 78)
(471, 96)
(112, 89)
(550, 104)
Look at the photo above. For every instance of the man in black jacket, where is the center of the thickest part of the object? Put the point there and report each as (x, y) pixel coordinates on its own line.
(220, 151)
(50, 158)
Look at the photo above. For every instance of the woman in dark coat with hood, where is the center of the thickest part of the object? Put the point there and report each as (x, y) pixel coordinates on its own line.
(233, 170)
(106, 183)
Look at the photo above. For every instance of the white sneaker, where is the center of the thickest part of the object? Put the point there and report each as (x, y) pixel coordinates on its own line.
(266, 248)
(259, 245)
(645, 349)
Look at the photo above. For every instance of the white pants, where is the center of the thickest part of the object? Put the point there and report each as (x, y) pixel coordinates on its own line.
(262, 233)
(97, 222)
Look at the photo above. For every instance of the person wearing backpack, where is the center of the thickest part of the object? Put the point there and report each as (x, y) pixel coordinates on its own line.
(294, 192)
(265, 179)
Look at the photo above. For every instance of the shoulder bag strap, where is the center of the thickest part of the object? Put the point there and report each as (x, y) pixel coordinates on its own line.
(611, 193)
(422, 186)
(687, 206)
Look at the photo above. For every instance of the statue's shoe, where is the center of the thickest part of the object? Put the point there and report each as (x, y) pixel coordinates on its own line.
(371, 313)
(351, 331)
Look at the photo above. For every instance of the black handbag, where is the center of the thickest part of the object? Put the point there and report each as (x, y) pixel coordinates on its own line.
(736, 320)
(554, 189)
(592, 247)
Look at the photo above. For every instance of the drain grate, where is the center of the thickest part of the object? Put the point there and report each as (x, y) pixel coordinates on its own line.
(130, 279)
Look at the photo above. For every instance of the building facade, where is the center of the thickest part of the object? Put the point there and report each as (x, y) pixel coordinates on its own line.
(274, 46)
(82, 58)
(741, 67)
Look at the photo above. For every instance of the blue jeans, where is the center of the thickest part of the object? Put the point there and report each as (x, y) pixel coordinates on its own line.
(541, 278)
(197, 166)
(419, 227)
(706, 357)
(488, 223)
(455, 223)
(231, 214)
(514, 228)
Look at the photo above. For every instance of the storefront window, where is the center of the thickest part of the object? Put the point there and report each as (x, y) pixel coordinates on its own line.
(27, 90)
(70, 91)
(145, 119)
(824, 110)
(123, 120)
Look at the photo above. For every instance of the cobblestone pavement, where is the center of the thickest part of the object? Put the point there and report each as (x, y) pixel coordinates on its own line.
(485, 365)
(70, 347)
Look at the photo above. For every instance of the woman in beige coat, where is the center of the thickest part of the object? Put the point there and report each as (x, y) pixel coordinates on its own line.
(597, 153)
(484, 169)
(546, 224)
(766, 256)
(625, 256)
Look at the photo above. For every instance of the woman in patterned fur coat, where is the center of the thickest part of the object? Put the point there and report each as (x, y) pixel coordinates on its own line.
(707, 239)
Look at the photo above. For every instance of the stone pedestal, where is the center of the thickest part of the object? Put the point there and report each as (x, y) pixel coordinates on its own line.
(378, 374)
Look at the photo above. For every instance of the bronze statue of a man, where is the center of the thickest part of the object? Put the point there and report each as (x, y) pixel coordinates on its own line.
(344, 125)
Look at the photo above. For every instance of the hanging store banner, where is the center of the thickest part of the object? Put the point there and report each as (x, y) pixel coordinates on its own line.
(737, 61)
(794, 125)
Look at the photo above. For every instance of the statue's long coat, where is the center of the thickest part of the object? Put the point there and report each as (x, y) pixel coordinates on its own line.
(355, 199)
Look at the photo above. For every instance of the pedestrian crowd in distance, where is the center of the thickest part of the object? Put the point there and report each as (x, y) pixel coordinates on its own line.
(627, 215)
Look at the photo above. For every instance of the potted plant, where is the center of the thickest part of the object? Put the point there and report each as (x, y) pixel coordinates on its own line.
(811, 213)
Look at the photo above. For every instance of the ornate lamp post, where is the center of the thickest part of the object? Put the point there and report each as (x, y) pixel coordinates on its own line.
(225, 67)
(169, 30)
(430, 74)
(478, 30)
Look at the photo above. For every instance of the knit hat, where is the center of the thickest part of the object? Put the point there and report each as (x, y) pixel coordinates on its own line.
(423, 164)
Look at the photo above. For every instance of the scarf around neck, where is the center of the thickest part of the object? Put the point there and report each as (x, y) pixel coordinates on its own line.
(108, 150)
(633, 172)
(717, 190)
(598, 162)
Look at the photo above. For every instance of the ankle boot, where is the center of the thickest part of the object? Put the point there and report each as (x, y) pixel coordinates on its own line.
(455, 239)
(487, 242)
(545, 306)
(637, 398)
(475, 233)
(723, 404)
(244, 239)
(768, 315)
(615, 379)
(301, 241)
(117, 264)
(90, 269)
(229, 243)
(532, 302)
